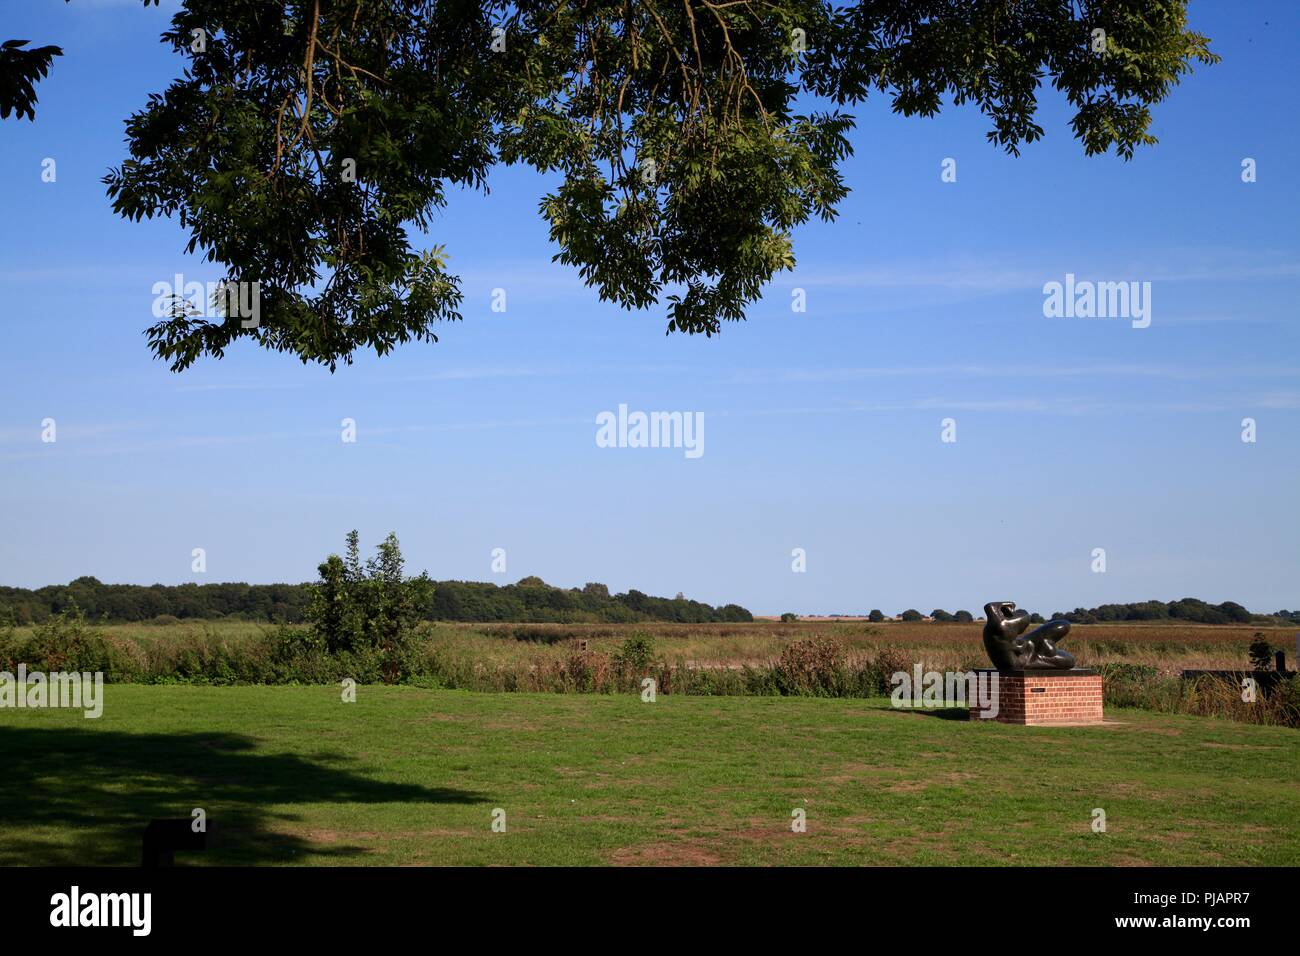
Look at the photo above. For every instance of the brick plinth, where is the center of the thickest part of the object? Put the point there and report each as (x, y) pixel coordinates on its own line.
(1048, 697)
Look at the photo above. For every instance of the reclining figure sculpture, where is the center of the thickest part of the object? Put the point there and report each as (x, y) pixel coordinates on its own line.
(1011, 650)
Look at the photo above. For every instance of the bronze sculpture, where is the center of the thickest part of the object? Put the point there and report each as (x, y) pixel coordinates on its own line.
(1011, 650)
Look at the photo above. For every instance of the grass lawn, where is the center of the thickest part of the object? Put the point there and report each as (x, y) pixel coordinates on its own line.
(411, 776)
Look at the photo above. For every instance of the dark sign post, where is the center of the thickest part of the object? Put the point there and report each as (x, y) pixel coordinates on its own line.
(162, 838)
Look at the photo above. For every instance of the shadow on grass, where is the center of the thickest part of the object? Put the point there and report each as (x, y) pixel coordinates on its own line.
(943, 713)
(96, 790)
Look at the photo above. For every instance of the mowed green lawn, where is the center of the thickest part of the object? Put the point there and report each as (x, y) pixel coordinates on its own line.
(411, 776)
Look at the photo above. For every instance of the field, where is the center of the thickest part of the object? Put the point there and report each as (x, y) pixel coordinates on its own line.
(1169, 647)
(412, 774)
(405, 775)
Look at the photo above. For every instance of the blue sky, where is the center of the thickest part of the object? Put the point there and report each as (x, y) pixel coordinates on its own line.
(925, 302)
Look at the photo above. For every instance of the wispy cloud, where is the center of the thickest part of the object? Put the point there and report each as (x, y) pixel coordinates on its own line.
(69, 444)
(987, 276)
(72, 431)
(1141, 371)
(1050, 405)
(239, 386)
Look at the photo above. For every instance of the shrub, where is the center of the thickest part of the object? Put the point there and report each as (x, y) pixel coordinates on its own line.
(760, 682)
(7, 642)
(1209, 695)
(809, 666)
(66, 642)
(888, 662)
(591, 671)
(911, 614)
(1286, 700)
(1130, 685)
(636, 654)
(1112, 673)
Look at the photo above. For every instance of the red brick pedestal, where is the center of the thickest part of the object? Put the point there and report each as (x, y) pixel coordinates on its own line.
(1048, 697)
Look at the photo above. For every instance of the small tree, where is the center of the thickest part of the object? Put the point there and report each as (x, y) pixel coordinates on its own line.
(353, 572)
(333, 612)
(393, 605)
(1261, 653)
(789, 617)
(876, 616)
(636, 654)
(965, 617)
(372, 607)
(939, 614)
(911, 614)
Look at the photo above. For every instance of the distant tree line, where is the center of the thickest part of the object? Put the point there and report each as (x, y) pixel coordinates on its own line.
(126, 603)
(529, 600)
(532, 599)
(1192, 610)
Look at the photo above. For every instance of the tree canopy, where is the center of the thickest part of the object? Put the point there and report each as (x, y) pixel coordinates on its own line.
(21, 69)
(308, 143)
